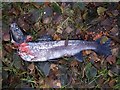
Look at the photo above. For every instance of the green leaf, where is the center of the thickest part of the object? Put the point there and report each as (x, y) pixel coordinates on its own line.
(118, 61)
(101, 10)
(91, 72)
(81, 5)
(56, 7)
(44, 67)
(104, 39)
(16, 61)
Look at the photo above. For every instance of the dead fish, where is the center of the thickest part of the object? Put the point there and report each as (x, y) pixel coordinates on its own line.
(49, 50)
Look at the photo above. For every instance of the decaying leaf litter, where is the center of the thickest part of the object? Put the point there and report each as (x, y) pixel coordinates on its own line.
(85, 21)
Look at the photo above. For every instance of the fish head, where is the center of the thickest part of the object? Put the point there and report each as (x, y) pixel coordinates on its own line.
(16, 34)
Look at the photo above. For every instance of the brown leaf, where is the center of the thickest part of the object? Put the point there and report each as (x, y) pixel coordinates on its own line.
(94, 56)
(54, 70)
(115, 51)
(101, 81)
(56, 37)
(31, 67)
(115, 12)
(112, 83)
(56, 84)
(47, 20)
(25, 26)
(14, 11)
(8, 48)
(114, 31)
(97, 36)
(86, 52)
(69, 29)
(54, 67)
(111, 59)
(50, 31)
(37, 25)
(74, 63)
(49, 82)
(6, 37)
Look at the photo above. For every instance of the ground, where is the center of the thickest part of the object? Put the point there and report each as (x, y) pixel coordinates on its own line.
(84, 21)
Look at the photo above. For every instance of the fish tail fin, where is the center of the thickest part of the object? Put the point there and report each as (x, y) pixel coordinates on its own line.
(104, 48)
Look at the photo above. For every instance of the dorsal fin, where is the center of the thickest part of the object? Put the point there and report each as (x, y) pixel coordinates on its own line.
(45, 38)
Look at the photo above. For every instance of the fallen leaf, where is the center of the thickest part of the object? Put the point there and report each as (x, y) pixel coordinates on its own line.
(47, 12)
(56, 7)
(112, 83)
(8, 48)
(14, 11)
(115, 12)
(101, 81)
(50, 31)
(81, 5)
(114, 31)
(54, 67)
(16, 61)
(110, 73)
(74, 63)
(111, 59)
(93, 56)
(57, 84)
(106, 22)
(101, 10)
(56, 37)
(6, 37)
(90, 71)
(97, 36)
(86, 52)
(34, 16)
(37, 25)
(36, 5)
(49, 82)
(103, 39)
(25, 26)
(69, 29)
(44, 67)
(59, 29)
(47, 20)
(31, 67)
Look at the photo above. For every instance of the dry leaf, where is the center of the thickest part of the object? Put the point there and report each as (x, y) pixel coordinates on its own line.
(47, 20)
(69, 29)
(111, 59)
(115, 51)
(97, 36)
(94, 56)
(14, 11)
(8, 47)
(59, 29)
(101, 10)
(56, 37)
(54, 67)
(25, 26)
(74, 63)
(6, 37)
(56, 84)
(31, 67)
(112, 83)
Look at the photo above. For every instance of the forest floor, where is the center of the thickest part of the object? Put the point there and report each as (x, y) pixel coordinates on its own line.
(63, 21)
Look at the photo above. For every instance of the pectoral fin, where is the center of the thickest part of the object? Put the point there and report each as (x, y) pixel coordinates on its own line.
(79, 56)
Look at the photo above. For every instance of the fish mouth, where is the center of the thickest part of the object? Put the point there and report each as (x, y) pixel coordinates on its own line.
(16, 34)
